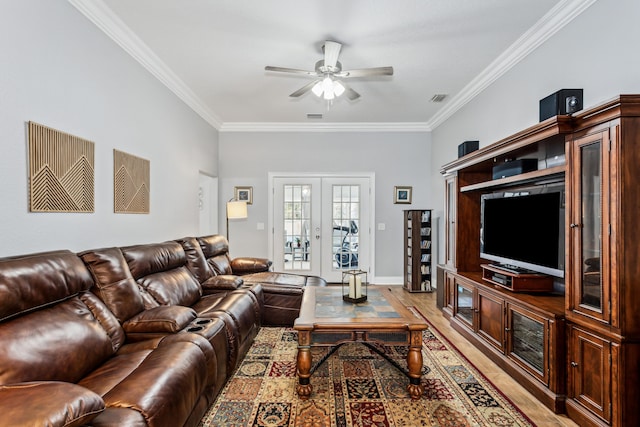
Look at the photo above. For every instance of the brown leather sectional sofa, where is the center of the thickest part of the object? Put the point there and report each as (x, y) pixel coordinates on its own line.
(142, 335)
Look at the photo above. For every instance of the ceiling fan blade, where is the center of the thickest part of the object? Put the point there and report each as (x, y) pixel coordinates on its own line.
(350, 93)
(304, 89)
(331, 52)
(367, 72)
(289, 70)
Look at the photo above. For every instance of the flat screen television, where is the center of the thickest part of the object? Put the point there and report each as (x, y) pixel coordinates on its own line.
(524, 228)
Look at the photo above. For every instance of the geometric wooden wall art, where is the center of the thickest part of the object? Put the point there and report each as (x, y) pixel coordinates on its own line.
(130, 183)
(61, 171)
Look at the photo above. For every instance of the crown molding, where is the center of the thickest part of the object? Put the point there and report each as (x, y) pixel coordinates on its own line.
(324, 127)
(552, 22)
(107, 21)
(104, 18)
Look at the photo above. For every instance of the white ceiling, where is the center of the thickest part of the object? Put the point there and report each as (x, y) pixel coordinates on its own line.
(212, 53)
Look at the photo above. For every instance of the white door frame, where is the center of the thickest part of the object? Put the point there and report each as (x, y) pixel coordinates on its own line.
(371, 208)
(208, 204)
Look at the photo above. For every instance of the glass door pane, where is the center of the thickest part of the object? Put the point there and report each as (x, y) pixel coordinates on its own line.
(591, 225)
(346, 226)
(297, 226)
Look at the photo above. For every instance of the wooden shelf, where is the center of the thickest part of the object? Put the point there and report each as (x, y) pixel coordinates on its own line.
(417, 257)
(517, 282)
(556, 171)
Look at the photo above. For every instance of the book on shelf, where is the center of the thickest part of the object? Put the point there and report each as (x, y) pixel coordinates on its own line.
(425, 231)
(426, 286)
(426, 216)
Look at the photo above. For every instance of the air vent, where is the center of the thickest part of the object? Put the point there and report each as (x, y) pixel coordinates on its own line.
(314, 115)
(438, 98)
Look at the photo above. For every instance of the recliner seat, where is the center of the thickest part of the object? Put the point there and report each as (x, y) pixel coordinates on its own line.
(282, 291)
(65, 360)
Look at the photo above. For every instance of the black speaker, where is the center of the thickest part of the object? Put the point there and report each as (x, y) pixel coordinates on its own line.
(467, 147)
(564, 101)
(514, 167)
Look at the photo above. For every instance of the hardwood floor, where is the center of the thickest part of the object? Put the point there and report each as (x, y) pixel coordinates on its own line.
(535, 410)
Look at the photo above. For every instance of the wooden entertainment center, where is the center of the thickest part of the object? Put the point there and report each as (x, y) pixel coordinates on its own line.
(573, 342)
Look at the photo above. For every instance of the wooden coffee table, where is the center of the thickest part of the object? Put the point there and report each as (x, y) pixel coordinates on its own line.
(326, 320)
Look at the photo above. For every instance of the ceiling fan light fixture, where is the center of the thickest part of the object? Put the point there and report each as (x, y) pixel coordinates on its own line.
(317, 89)
(326, 71)
(327, 87)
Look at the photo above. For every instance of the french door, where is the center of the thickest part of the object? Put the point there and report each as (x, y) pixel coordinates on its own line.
(321, 225)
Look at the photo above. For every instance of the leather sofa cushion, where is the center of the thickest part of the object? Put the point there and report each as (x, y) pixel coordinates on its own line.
(114, 283)
(153, 258)
(216, 250)
(224, 282)
(167, 319)
(161, 270)
(196, 261)
(163, 382)
(172, 287)
(29, 282)
(220, 264)
(207, 304)
(293, 280)
(53, 404)
(213, 245)
(119, 417)
(248, 265)
(59, 343)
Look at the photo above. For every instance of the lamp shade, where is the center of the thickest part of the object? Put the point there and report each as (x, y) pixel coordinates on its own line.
(236, 209)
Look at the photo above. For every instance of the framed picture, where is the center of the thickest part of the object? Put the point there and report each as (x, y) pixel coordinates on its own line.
(402, 194)
(244, 194)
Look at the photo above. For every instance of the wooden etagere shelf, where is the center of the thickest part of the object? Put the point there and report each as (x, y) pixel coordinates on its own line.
(524, 178)
(417, 257)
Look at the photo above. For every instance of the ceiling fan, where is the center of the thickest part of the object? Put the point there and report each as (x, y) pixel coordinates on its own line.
(328, 75)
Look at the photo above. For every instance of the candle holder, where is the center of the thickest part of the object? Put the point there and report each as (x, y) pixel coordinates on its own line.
(354, 286)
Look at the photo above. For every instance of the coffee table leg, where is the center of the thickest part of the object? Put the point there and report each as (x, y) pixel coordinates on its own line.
(414, 365)
(304, 365)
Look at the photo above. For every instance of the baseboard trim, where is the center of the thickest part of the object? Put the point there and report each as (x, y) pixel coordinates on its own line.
(389, 280)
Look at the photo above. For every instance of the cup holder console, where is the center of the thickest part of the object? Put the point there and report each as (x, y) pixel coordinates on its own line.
(202, 321)
(195, 328)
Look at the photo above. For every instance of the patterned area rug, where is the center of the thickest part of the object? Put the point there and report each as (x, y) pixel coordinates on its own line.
(357, 387)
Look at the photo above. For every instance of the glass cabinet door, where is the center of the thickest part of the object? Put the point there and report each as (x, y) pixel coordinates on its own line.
(464, 303)
(527, 342)
(450, 221)
(588, 220)
(591, 226)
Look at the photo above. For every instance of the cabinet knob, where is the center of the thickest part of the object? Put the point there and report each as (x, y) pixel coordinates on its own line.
(574, 364)
(574, 225)
(507, 329)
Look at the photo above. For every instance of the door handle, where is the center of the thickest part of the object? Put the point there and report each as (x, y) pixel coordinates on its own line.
(317, 233)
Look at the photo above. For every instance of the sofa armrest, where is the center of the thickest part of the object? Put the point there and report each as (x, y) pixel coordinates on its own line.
(48, 403)
(247, 265)
(163, 319)
(223, 282)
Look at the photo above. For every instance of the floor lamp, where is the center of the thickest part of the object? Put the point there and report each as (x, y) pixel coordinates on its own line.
(236, 209)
